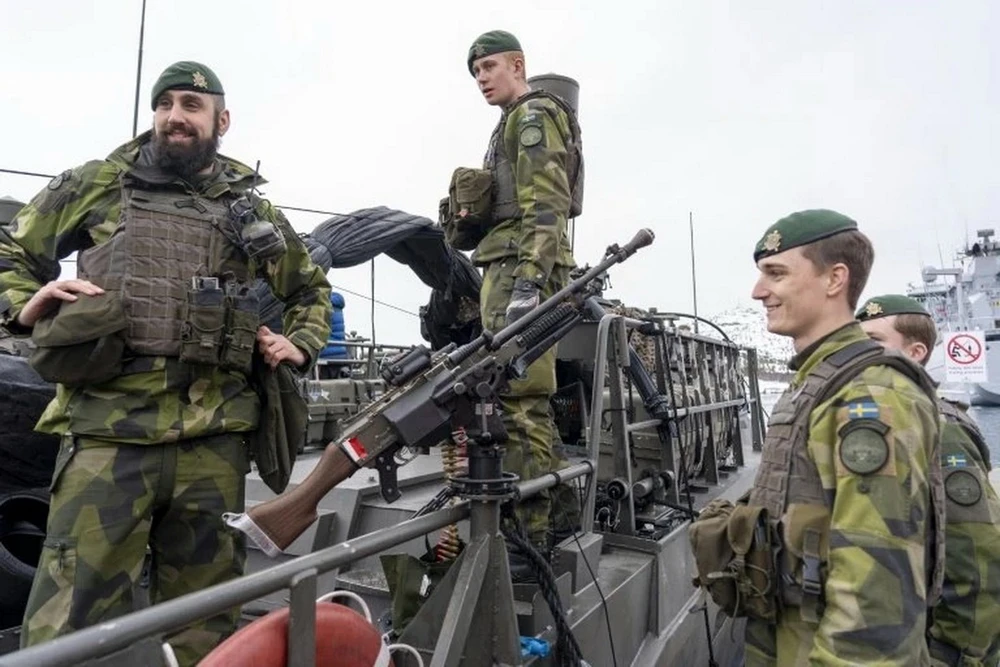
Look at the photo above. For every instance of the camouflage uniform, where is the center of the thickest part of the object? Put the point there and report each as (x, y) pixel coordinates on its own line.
(966, 622)
(157, 454)
(533, 134)
(875, 573)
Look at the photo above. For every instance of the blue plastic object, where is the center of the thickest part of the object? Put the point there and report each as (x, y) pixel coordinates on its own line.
(532, 646)
(338, 330)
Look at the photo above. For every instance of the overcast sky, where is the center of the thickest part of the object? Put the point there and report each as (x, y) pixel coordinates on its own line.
(740, 112)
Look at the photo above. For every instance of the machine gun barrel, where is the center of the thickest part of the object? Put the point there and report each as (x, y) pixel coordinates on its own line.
(419, 409)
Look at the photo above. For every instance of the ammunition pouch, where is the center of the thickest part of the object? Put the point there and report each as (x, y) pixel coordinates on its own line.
(83, 342)
(732, 548)
(203, 322)
(467, 218)
(242, 321)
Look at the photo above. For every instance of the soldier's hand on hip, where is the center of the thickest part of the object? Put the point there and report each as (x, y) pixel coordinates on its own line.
(276, 348)
(51, 295)
(523, 299)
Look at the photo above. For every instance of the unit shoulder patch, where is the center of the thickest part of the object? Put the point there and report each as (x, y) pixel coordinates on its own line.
(863, 448)
(962, 487)
(530, 135)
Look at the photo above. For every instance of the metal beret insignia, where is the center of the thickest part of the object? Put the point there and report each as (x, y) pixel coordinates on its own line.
(531, 136)
(873, 309)
(863, 449)
(962, 487)
(479, 50)
(199, 80)
(772, 241)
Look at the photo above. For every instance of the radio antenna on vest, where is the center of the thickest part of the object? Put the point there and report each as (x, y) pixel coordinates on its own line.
(138, 72)
(256, 175)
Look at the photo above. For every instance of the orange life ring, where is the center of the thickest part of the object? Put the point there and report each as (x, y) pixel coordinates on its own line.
(344, 638)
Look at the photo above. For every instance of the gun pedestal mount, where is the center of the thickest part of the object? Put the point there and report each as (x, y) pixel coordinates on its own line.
(471, 612)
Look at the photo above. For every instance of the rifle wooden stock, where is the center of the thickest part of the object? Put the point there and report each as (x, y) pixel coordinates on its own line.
(287, 516)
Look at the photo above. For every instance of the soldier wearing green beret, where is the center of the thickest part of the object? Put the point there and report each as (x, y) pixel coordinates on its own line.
(966, 625)
(152, 345)
(534, 162)
(847, 479)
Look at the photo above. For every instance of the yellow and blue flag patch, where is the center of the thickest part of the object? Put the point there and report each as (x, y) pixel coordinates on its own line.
(954, 461)
(863, 408)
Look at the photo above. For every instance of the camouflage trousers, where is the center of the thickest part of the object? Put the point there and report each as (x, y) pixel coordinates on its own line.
(527, 415)
(791, 643)
(109, 501)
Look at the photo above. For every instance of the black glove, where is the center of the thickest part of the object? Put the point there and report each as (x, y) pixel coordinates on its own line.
(523, 299)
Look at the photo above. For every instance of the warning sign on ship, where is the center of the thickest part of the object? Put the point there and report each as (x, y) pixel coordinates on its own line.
(965, 356)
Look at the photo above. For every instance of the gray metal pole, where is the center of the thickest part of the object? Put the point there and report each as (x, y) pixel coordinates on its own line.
(694, 279)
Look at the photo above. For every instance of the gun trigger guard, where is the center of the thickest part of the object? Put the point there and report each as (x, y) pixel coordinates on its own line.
(388, 483)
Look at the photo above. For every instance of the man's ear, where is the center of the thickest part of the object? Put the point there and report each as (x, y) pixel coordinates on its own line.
(223, 122)
(838, 277)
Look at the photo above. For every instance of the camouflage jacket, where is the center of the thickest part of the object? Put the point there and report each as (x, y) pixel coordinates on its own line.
(534, 136)
(967, 618)
(165, 401)
(875, 520)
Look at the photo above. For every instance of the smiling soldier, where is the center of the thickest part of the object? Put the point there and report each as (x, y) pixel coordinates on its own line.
(848, 493)
(151, 346)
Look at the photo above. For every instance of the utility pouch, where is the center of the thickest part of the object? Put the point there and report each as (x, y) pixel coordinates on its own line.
(242, 320)
(470, 202)
(83, 342)
(203, 322)
(733, 556)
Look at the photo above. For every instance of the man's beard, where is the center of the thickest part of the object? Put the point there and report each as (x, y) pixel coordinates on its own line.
(185, 160)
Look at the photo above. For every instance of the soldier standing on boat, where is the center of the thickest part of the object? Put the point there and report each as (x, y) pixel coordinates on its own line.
(844, 505)
(152, 348)
(965, 626)
(530, 185)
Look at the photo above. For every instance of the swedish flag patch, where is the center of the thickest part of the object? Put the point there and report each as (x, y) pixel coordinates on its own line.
(864, 408)
(954, 461)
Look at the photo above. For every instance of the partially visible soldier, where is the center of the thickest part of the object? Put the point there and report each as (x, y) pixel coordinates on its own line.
(152, 345)
(535, 165)
(966, 620)
(847, 470)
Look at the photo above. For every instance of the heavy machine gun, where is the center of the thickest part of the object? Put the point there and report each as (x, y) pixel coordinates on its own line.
(430, 394)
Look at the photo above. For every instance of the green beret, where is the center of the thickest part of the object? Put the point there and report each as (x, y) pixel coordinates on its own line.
(801, 228)
(890, 304)
(494, 41)
(187, 75)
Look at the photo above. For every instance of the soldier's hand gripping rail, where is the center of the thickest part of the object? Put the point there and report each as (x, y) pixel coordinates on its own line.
(430, 394)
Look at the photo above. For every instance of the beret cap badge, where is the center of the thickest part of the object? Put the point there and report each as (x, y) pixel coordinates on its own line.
(772, 241)
(873, 309)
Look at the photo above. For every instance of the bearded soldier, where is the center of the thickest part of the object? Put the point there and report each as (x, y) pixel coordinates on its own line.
(533, 185)
(966, 622)
(152, 346)
(849, 470)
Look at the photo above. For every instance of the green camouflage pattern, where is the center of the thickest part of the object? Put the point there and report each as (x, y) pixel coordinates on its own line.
(108, 502)
(527, 415)
(538, 239)
(967, 617)
(156, 400)
(877, 571)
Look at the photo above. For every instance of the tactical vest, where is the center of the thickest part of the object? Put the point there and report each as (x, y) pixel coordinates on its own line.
(505, 205)
(162, 241)
(788, 476)
(956, 415)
